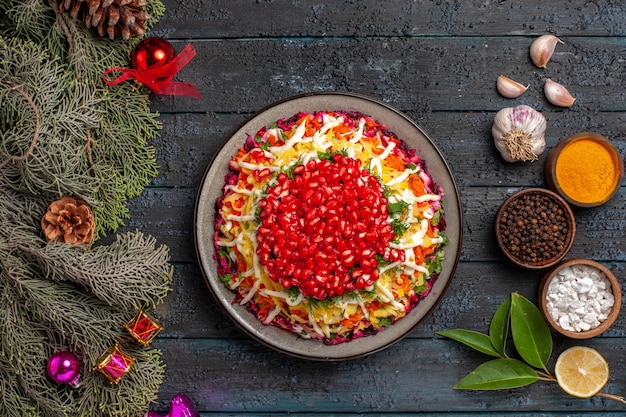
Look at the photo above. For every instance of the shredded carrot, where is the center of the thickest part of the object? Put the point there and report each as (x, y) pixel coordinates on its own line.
(243, 183)
(273, 140)
(240, 154)
(341, 129)
(352, 320)
(369, 122)
(419, 254)
(241, 263)
(394, 140)
(395, 162)
(406, 283)
(416, 185)
(303, 119)
(258, 157)
(374, 305)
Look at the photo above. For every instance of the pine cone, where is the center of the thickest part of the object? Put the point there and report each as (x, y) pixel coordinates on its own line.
(68, 220)
(113, 18)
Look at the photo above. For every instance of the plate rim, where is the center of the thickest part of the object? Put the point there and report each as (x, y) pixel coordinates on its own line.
(247, 321)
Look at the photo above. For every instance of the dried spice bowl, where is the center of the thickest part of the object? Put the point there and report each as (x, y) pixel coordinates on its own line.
(586, 169)
(580, 298)
(535, 228)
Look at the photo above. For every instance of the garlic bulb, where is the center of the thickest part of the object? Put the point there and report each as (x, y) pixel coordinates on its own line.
(509, 88)
(542, 48)
(557, 94)
(519, 133)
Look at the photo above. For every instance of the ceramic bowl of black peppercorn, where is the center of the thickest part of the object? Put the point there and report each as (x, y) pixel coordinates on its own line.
(535, 228)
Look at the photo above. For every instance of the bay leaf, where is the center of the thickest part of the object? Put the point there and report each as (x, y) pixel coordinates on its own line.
(502, 373)
(531, 335)
(499, 326)
(476, 340)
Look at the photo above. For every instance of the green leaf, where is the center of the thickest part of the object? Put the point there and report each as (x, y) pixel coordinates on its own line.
(531, 335)
(499, 327)
(475, 340)
(398, 207)
(502, 373)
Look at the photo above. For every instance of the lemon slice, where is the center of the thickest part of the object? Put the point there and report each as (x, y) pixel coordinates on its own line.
(581, 371)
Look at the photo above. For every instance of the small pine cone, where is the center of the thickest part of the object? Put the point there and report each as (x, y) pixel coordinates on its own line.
(68, 220)
(112, 18)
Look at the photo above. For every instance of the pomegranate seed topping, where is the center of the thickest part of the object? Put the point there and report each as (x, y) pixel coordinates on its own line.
(322, 229)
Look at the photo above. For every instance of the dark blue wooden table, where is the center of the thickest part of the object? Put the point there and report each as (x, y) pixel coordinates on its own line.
(437, 61)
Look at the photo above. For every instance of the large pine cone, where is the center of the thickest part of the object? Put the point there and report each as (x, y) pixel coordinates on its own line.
(68, 220)
(112, 18)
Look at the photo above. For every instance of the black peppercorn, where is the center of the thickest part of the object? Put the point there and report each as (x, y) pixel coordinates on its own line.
(534, 228)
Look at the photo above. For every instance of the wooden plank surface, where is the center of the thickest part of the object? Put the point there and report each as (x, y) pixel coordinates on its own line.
(423, 74)
(413, 376)
(437, 61)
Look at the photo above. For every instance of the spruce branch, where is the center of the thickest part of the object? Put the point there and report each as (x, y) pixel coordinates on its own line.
(25, 351)
(33, 141)
(130, 273)
(88, 149)
(14, 403)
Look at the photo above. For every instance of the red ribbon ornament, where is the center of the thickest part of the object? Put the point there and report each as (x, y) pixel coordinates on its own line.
(159, 78)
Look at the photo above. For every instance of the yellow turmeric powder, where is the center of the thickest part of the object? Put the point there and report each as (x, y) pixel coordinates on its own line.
(587, 171)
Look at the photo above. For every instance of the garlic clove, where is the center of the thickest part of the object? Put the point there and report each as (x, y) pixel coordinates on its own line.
(557, 94)
(509, 88)
(542, 48)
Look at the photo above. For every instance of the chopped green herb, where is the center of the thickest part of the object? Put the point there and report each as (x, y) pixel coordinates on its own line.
(434, 263)
(224, 253)
(399, 227)
(437, 217)
(226, 278)
(420, 288)
(293, 292)
(325, 303)
(331, 153)
(398, 207)
(385, 321)
(382, 262)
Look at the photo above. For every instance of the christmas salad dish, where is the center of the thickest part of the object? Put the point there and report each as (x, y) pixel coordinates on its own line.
(329, 226)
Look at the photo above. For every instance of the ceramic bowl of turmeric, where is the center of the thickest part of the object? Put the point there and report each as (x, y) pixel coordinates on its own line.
(586, 169)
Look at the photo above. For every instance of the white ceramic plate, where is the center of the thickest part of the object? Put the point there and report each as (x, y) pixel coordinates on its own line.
(211, 186)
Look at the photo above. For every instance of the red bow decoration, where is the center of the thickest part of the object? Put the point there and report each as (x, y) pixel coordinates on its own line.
(159, 78)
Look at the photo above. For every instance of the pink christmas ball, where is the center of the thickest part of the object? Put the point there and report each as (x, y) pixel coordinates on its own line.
(64, 368)
(181, 406)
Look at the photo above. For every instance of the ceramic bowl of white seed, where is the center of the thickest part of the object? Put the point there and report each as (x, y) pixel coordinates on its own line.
(580, 298)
